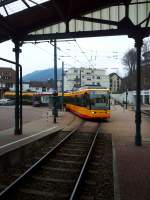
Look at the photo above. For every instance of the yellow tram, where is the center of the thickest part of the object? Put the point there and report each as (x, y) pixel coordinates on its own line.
(89, 102)
(26, 97)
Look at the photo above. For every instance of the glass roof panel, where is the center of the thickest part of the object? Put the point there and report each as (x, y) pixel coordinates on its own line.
(17, 5)
(2, 11)
(139, 10)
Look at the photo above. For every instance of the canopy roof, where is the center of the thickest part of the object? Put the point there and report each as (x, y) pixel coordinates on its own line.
(29, 20)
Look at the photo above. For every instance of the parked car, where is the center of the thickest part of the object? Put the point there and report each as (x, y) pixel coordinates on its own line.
(7, 102)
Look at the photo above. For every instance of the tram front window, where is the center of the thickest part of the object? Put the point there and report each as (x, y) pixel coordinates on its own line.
(99, 101)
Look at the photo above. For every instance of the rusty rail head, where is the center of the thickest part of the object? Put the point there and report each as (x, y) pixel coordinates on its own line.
(77, 188)
(5, 194)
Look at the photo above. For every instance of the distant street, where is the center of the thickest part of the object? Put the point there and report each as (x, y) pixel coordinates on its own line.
(7, 115)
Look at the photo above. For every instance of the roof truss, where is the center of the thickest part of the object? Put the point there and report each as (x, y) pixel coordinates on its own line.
(28, 23)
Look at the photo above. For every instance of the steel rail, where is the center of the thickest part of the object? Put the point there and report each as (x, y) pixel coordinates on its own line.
(145, 112)
(76, 190)
(13, 186)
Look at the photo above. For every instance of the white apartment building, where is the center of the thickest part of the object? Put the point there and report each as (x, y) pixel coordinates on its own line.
(76, 77)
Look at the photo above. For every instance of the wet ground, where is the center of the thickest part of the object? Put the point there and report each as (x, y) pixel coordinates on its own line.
(7, 115)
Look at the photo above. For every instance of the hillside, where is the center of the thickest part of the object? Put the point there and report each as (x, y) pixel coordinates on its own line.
(42, 75)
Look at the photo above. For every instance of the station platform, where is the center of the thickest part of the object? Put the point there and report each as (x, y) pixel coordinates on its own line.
(131, 163)
(35, 129)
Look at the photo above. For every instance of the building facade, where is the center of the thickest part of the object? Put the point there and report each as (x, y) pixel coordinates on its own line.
(7, 79)
(37, 86)
(8, 82)
(76, 77)
(115, 82)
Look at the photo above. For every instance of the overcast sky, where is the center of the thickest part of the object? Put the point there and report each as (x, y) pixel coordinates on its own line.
(102, 52)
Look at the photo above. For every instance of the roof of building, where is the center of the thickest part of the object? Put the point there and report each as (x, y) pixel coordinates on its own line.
(26, 82)
(8, 75)
(6, 69)
(112, 74)
(39, 84)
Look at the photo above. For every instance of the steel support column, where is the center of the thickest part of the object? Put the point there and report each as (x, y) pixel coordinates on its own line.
(17, 104)
(55, 81)
(20, 100)
(138, 138)
(80, 78)
(62, 85)
(55, 65)
(126, 98)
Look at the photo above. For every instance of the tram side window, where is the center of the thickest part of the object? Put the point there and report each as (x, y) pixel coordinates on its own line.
(86, 100)
(81, 100)
(77, 100)
(103, 99)
(71, 100)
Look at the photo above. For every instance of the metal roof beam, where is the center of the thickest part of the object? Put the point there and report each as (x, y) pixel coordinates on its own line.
(59, 11)
(94, 20)
(81, 34)
(6, 10)
(3, 23)
(145, 20)
(148, 19)
(25, 3)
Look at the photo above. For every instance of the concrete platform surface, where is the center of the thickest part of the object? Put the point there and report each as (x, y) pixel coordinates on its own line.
(132, 163)
(35, 129)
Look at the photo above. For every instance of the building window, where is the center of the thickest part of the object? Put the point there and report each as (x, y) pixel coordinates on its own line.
(11, 85)
(44, 89)
(98, 77)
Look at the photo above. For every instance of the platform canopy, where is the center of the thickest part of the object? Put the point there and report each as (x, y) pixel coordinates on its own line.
(41, 19)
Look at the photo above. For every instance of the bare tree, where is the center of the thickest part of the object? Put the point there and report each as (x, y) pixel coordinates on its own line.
(129, 60)
(146, 45)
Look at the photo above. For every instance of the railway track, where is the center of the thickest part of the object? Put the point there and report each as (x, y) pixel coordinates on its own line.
(146, 112)
(59, 173)
(28, 155)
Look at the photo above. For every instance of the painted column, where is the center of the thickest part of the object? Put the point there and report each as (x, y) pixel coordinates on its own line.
(55, 65)
(143, 99)
(20, 100)
(138, 138)
(17, 107)
(62, 86)
(55, 114)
